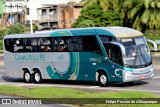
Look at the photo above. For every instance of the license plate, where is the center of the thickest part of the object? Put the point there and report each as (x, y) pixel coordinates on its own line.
(141, 77)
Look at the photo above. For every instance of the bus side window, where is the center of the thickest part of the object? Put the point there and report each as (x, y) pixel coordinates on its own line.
(75, 44)
(114, 54)
(28, 47)
(9, 45)
(18, 45)
(61, 44)
(44, 45)
(52, 40)
(31, 45)
(84, 44)
(90, 44)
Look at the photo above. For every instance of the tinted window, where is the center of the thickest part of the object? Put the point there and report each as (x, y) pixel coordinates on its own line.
(31, 45)
(9, 45)
(106, 39)
(61, 44)
(114, 54)
(57, 44)
(44, 44)
(75, 44)
(18, 45)
(90, 44)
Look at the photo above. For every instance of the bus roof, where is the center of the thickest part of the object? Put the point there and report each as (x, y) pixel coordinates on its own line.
(110, 31)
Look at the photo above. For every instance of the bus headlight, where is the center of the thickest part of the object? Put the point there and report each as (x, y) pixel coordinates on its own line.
(127, 76)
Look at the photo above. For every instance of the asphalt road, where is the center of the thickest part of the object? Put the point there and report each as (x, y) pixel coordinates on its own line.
(152, 85)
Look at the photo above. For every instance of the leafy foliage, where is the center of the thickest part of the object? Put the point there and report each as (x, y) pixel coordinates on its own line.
(35, 27)
(2, 33)
(14, 29)
(94, 16)
(141, 14)
(138, 14)
(153, 35)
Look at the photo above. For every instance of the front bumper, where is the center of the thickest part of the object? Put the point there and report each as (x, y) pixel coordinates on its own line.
(138, 74)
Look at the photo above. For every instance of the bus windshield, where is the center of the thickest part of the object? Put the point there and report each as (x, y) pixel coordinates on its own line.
(137, 53)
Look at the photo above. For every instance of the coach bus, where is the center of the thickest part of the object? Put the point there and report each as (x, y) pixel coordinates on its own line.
(105, 55)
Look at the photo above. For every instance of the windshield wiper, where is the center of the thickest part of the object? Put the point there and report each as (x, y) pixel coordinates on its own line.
(147, 63)
(139, 49)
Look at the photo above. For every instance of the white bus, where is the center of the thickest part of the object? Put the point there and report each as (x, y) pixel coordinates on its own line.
(109, 54)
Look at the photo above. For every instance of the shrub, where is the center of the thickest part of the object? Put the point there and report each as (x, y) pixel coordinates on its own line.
(153, 35)
(35, 27)
(2, 33)
(16, 29)
(1, 44)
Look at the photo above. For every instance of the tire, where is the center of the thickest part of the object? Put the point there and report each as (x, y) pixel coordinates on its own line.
(27, 77)
(103, 80)
(37, 77)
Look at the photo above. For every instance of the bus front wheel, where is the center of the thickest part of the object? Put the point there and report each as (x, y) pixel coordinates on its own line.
(37, 77)
(103, 80)
(27, 77)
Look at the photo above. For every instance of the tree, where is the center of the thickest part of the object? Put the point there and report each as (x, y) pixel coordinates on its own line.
(141, 14)
(94, 16)
(83, 23)
(138, 14)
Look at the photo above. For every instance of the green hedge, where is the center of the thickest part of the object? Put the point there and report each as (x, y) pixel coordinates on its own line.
(153, 35)
(2, 33)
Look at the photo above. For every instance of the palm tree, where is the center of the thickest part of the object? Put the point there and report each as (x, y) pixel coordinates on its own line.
(98, 13)
(141, 14)
(105, 4)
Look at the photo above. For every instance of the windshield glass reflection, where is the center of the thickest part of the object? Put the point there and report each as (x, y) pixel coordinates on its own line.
(137, 52)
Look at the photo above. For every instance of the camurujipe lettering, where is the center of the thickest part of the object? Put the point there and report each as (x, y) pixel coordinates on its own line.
(30, 57)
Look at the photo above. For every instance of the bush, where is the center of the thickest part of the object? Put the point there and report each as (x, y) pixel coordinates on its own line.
(1, 44)
(16, 29)
(2, 33)
(27, 28)
(153, 35)
(35, 27)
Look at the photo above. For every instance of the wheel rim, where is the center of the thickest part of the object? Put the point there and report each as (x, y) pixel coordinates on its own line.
(37, 77)
(103, 79)
(27, 76)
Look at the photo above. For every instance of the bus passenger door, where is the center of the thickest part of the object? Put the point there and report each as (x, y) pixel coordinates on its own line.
(115, 54)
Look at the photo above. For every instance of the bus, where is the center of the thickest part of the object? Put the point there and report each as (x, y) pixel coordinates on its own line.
(103, 54)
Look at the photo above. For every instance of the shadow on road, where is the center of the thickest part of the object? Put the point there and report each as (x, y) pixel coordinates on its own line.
(129, 84)
(87, 83)
(8, 79)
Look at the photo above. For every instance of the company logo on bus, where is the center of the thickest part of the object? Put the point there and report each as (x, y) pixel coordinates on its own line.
(117, 72)
(61, 62)
(61, 57)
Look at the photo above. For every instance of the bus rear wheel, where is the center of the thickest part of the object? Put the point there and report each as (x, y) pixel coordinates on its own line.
(103, 80)
(37, 77)
(27, 77)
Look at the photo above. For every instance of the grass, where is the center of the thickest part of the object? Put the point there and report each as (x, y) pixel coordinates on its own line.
(49, 92)
(153, 53)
